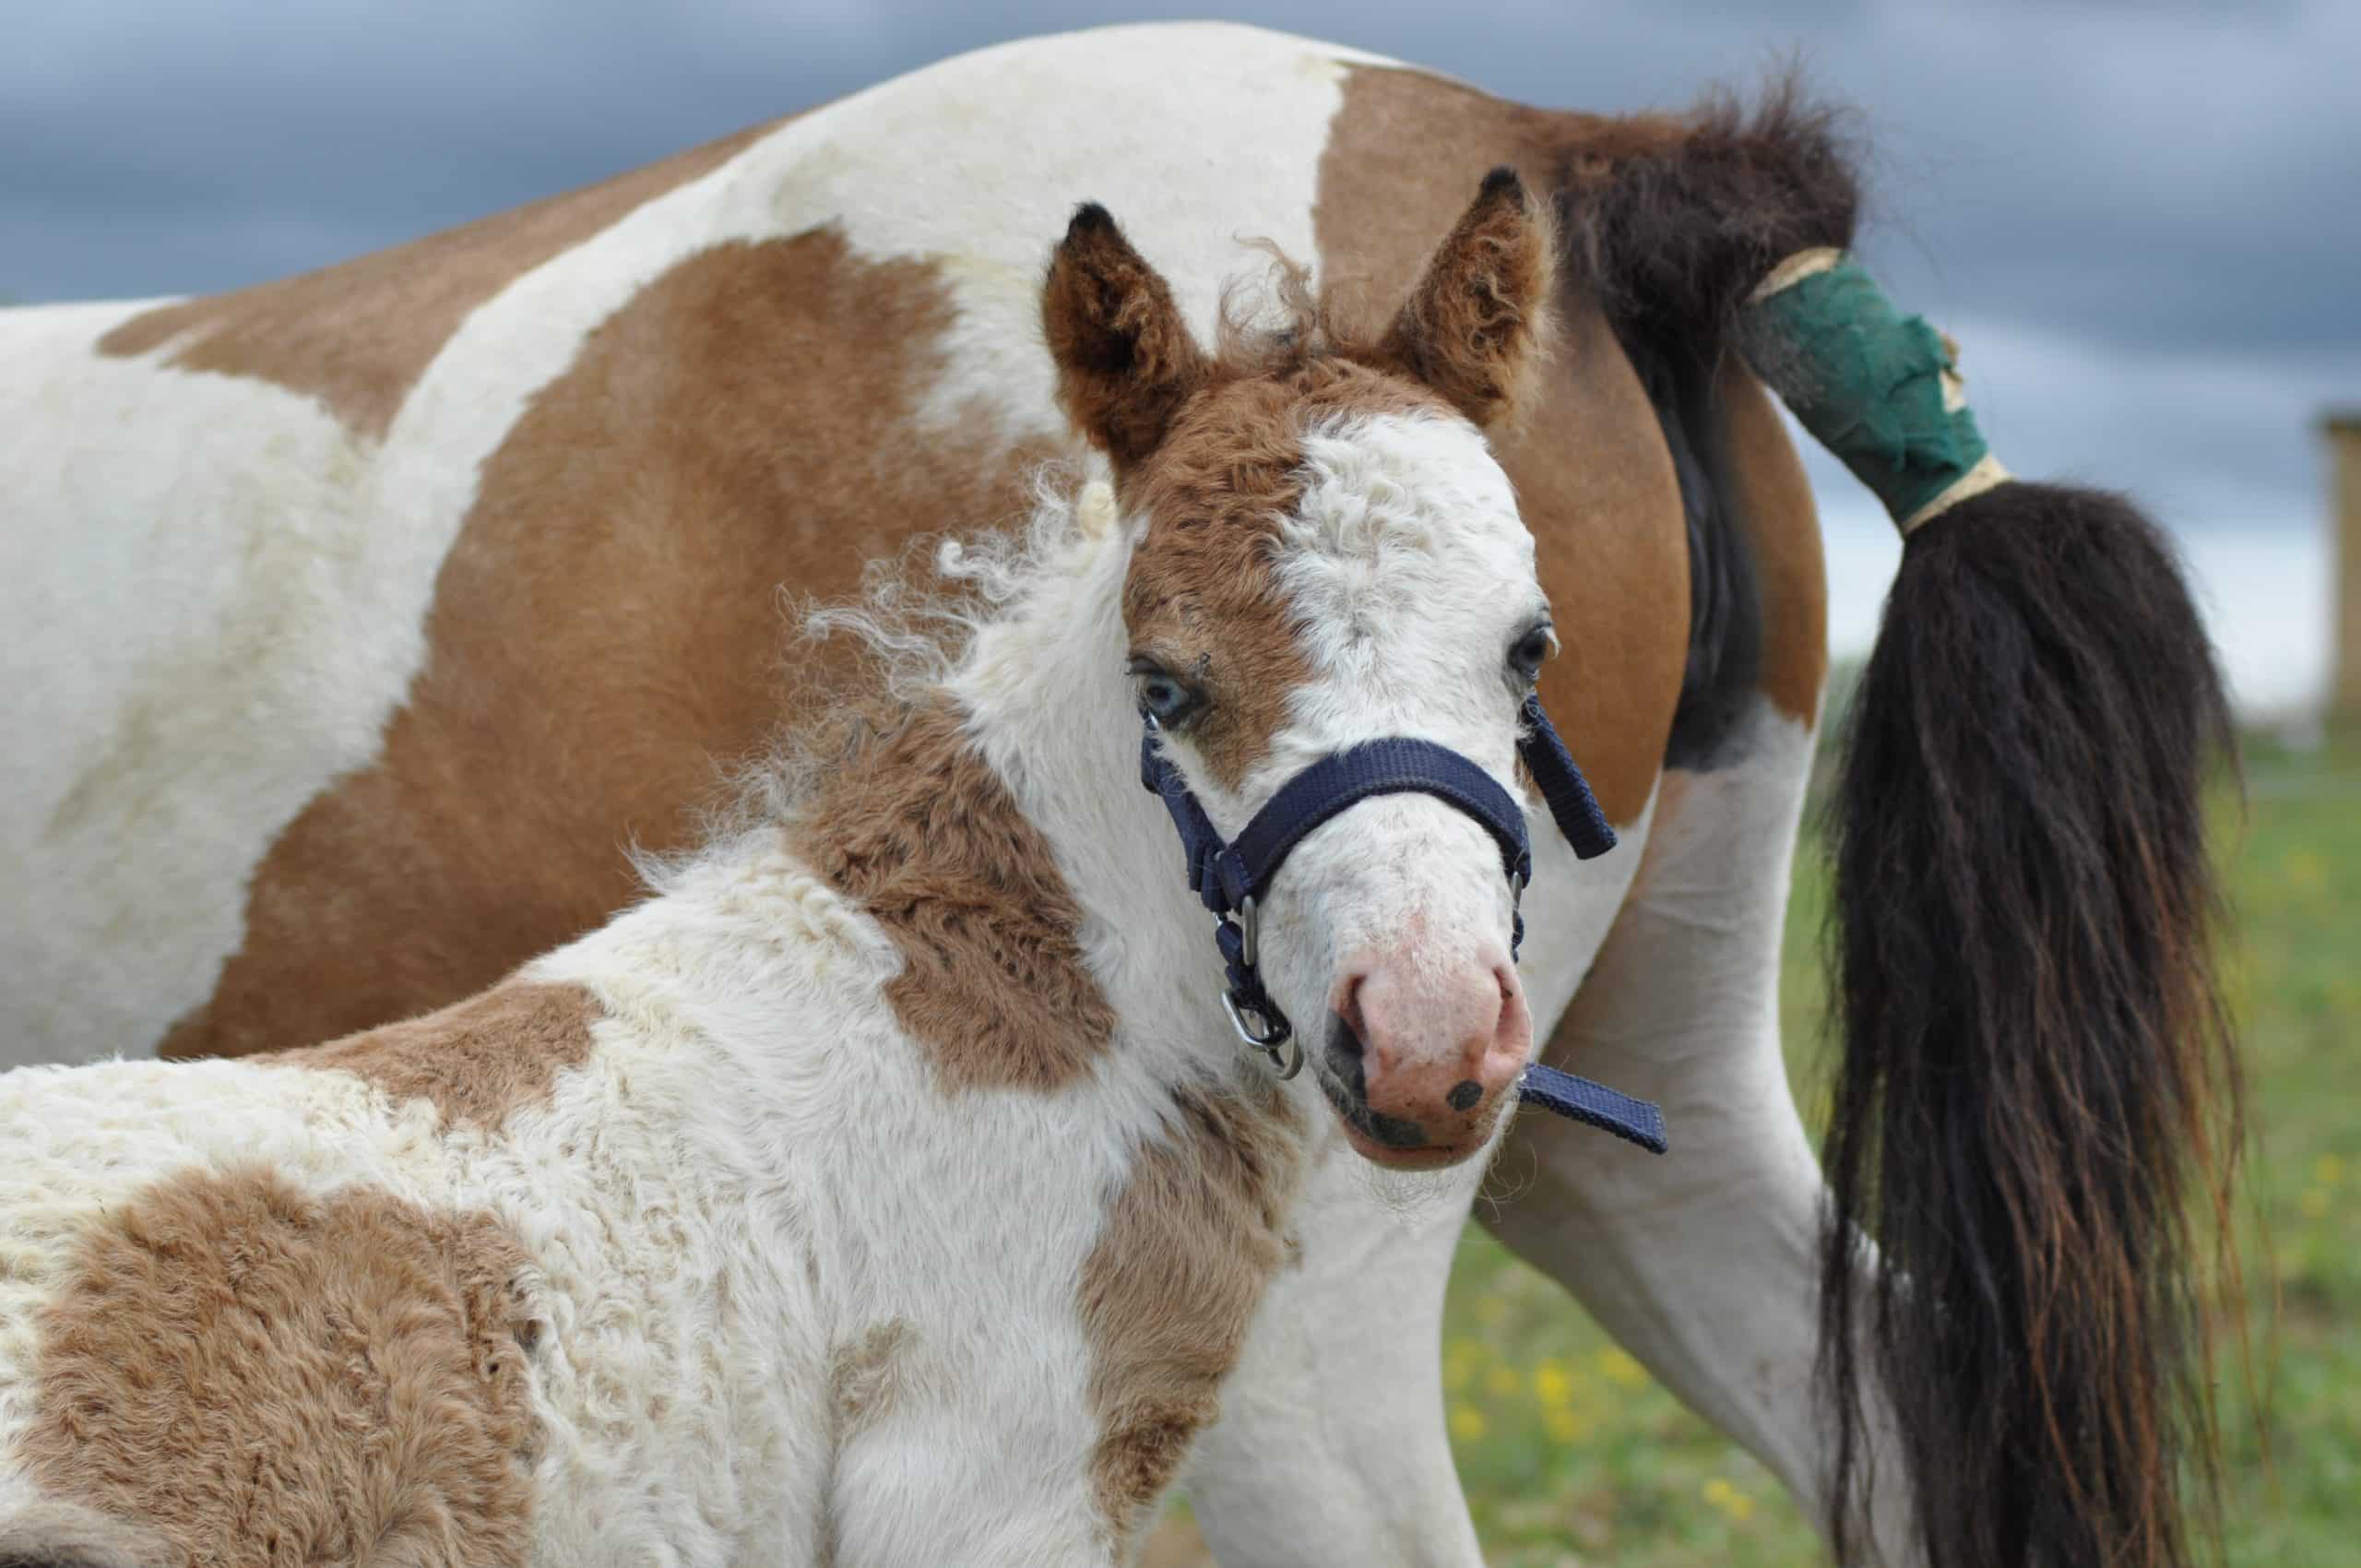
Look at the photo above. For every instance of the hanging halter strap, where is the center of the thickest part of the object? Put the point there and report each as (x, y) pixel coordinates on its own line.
(1231, 876)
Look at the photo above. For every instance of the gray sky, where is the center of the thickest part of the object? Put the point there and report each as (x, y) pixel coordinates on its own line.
(2141, 217)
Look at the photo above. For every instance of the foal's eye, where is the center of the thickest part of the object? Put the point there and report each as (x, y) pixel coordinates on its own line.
(1163, 695)
(1526, 653)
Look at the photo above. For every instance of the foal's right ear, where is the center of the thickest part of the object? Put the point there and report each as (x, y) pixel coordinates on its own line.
(1125, 359)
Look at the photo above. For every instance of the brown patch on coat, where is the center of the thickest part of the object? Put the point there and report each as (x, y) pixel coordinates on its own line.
(913, 825)
(1168, 1293)
(267, 1380)
(358, 335)
(477, 1060)
(1771, 501)
(1593, 480)
(606, 623)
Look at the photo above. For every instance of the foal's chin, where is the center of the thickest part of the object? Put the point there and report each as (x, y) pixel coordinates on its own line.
(1426, 1157)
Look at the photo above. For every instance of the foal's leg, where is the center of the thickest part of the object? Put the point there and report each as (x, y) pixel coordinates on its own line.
(1331, 1451)
(1703, 1261)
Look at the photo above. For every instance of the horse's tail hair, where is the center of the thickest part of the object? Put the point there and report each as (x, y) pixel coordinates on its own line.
(2038, 1076)
(2037, 1088)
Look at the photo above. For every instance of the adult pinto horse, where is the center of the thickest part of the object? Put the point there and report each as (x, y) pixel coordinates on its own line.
(784, 1219)
(360, 619)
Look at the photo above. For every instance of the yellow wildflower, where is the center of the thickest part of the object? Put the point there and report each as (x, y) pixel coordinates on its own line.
(1728, 1499)
(1459, 1358)
(1620, 1369)
(1466, 1423)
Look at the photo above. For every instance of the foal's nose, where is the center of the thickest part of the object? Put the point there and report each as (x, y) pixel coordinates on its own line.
(1438, 1043)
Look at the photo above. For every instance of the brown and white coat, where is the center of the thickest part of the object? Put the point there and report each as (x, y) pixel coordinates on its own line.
(881, 1192)
(443, 576)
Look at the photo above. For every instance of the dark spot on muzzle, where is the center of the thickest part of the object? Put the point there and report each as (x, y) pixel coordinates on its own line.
(1341, 1080)
(1465, 1094)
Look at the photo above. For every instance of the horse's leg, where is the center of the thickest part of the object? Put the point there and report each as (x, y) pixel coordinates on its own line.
(1331, 1447)
(1705, 1262)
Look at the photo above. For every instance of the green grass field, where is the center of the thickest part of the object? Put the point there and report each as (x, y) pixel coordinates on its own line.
(1572, 1455)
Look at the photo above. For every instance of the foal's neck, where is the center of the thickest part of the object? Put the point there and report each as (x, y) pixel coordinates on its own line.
(999, 834)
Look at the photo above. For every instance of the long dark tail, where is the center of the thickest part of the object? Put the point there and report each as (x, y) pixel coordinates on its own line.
(2037, 1091)
(2037, 1085)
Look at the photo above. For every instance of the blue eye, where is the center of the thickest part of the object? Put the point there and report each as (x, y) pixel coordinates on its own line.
(1163, 695)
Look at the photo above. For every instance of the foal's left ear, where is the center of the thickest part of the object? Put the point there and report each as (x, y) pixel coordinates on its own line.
(1125, 359)
(1477, 324)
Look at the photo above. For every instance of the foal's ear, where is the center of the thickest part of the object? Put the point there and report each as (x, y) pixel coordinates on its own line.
(1477, 324)
(1125, 359)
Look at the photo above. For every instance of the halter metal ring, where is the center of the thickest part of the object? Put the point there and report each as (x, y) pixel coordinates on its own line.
(1268, 1039)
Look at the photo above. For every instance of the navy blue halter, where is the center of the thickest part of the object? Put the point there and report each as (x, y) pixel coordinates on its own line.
(1231, 878)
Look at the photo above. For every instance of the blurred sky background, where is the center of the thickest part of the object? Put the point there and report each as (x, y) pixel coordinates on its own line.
(2141, 219)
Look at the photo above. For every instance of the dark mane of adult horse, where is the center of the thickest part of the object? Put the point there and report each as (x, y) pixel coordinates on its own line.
(2037, 1081)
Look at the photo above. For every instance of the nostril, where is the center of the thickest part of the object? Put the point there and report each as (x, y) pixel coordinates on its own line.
(1465, 1094)
(1348, 1004)
(1344, 1041)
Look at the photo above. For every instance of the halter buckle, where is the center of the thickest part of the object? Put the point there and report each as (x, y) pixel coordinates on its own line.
(1265, 1034)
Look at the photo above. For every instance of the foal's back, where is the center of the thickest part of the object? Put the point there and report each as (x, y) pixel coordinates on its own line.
(490, 1286)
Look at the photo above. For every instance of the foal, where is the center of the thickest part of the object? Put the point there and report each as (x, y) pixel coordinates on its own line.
(889, 1189)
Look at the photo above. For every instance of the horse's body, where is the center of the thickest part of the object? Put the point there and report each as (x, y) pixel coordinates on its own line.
(376, 611)
(881, 1192)
(463, 577)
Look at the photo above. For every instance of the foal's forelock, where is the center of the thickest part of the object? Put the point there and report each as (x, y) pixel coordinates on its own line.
(1222, 505)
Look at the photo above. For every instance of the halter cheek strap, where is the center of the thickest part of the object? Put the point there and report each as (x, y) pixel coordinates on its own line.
(1231, 876)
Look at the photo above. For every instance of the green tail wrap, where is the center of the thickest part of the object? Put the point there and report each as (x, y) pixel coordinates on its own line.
(1866, 381)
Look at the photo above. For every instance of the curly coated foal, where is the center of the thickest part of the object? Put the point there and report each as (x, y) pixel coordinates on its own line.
(889, 1187)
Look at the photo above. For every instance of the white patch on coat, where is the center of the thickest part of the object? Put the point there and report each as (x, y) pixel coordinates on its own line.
(1195, 135)
(195, 642)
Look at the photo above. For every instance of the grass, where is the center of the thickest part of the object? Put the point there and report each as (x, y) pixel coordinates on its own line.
(1572, 1455)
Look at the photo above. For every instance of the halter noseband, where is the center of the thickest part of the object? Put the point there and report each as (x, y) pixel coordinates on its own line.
(1231, 878)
